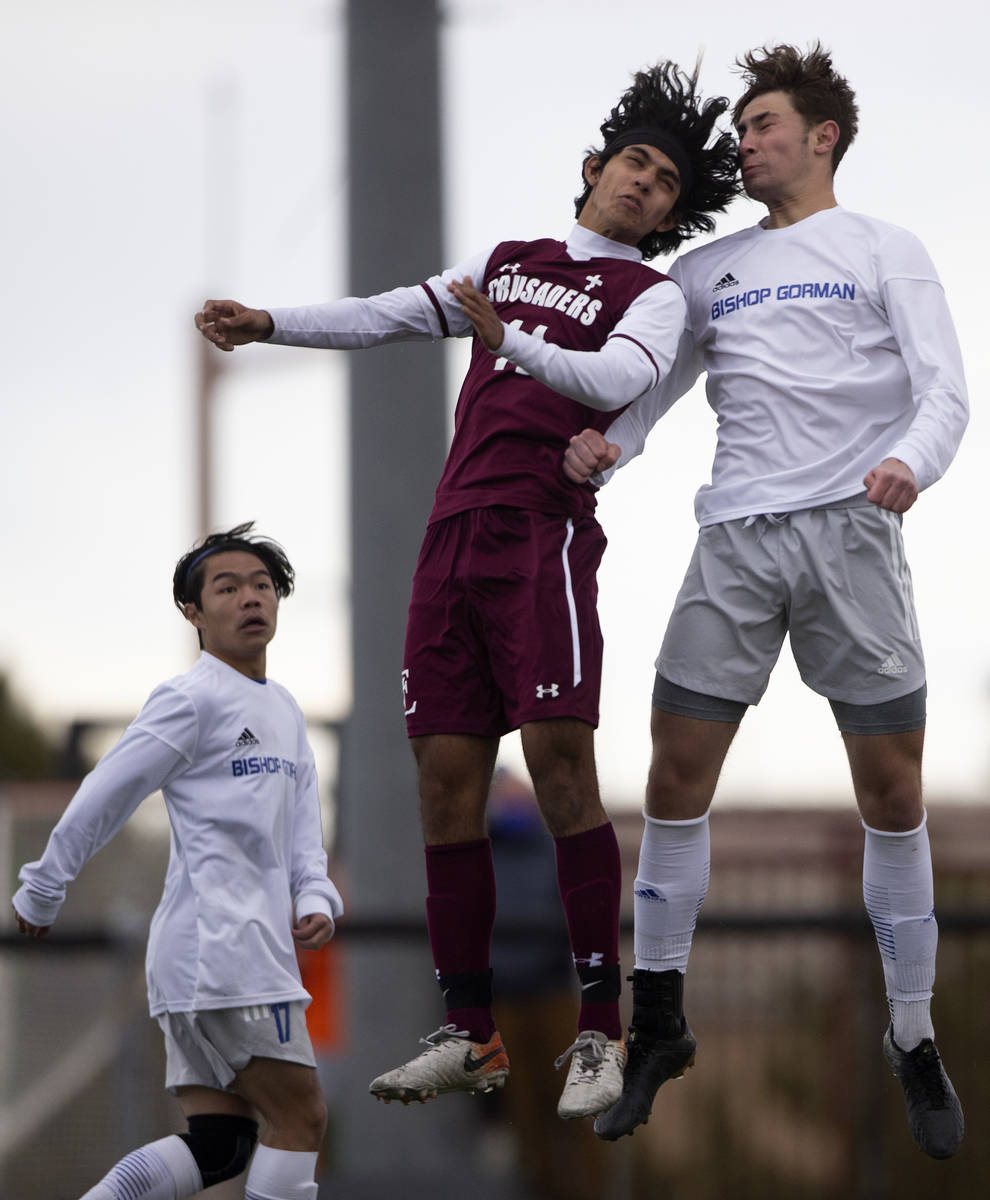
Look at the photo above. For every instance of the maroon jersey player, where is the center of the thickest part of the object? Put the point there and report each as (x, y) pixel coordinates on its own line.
(503, 630)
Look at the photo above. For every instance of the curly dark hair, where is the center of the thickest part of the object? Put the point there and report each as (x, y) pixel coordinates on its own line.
(666, 97)
(816, 90)
(190, 570)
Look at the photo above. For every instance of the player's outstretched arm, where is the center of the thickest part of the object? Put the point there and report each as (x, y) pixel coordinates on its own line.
(134, 768)
(227, 324)
(587, 453)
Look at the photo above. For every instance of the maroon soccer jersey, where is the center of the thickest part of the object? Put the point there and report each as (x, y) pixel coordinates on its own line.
(510, 431)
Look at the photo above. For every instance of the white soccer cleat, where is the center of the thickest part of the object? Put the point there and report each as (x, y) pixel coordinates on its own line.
(451, 1063)
(594, 1079)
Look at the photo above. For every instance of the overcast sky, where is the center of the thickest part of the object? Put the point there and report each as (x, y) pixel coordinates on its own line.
(156, 154)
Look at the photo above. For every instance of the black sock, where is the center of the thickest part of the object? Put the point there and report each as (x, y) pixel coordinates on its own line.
(658, 1000)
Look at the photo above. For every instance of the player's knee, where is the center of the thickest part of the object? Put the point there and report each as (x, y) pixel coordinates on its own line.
(221, 1144)
(315, 1121)
(679, 785)
(569, 804)
(561, 761)
(897, 808)
(301, 1125)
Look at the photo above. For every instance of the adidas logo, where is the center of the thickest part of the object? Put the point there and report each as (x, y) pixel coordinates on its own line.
(650, 894)
(247, 738)
(728, 280)
(893, 665)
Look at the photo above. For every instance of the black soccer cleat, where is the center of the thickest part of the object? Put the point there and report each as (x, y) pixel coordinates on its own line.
(935, 1115)
(652, 1060)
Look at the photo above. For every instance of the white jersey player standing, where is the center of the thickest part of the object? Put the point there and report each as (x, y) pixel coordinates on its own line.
(246, 885)
(834, 370)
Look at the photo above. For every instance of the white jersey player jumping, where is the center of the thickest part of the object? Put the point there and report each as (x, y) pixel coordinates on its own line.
(834, 370)
(246, 885)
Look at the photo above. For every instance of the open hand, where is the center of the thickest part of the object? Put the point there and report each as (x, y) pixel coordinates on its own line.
(479, 311)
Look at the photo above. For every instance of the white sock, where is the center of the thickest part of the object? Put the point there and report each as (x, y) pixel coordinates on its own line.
(671, 884)
(162, 1170)
(281, 1175)
(899, 894)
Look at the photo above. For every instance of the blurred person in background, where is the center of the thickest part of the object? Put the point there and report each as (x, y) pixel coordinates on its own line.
(535, 1003)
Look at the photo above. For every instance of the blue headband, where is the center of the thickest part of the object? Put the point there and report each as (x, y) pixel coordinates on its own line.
(199, 558)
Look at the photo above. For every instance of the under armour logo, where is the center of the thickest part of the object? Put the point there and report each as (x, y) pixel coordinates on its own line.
(595, 959)
(513, 267)
(593, 282)
(547, 689)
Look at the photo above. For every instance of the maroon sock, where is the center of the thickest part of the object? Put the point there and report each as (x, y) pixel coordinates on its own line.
(589, 875)
(460, 915)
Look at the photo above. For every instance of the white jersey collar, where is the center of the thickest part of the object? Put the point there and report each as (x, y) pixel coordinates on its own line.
(582, 244)
(227, 669)
(815, 218)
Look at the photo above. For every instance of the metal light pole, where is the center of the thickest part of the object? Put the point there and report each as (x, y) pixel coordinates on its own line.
(398, 440)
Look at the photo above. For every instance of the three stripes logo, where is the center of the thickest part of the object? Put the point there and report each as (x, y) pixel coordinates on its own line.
(728, 280)
(892, 665)
(247, 738)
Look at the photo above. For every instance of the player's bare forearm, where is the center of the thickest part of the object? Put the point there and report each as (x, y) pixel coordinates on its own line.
(587, 453)
(227, 324)
(479, 311)
(891, 485)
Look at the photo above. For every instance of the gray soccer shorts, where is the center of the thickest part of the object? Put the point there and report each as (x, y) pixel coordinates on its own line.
(208, 1048)
(834, 579)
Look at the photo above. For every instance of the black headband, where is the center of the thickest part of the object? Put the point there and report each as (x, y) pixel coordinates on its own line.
(650, 135)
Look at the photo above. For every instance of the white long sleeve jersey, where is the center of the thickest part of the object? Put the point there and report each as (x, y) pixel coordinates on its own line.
(637, 354)
(828, 347)
(231, 758)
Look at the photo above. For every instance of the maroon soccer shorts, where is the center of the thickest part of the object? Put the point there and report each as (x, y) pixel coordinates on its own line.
(503, 623)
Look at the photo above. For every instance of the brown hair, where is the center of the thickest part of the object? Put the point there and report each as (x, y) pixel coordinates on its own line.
(817, 92)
